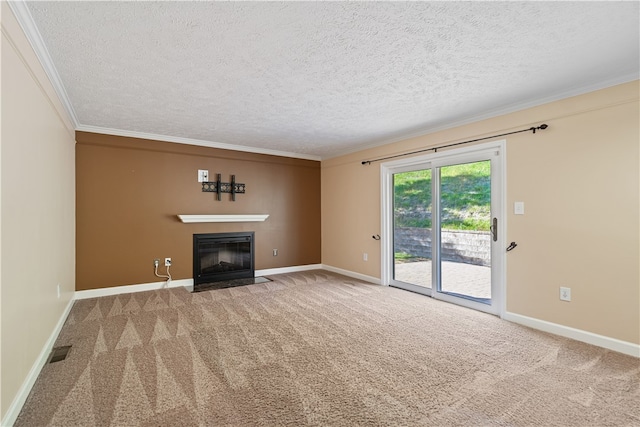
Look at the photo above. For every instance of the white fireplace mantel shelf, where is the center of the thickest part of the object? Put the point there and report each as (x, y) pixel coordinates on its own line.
(222, 218)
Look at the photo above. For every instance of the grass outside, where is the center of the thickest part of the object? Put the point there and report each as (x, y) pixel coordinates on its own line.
(465, 192)
(403, 257)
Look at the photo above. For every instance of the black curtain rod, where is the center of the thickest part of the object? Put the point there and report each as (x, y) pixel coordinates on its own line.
(435, 149)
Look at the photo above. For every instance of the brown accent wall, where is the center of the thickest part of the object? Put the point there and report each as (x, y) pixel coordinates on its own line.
(129, 192)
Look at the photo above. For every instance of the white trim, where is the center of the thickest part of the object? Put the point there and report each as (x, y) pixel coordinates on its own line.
(190, 141)
(24, 18)
(284, 270)
(386, 239)
(406, 163)
(353, 274)
(614, 344)
(502, 229)
(128, 289)
(21, 397)
(187, 283)
(222, 218)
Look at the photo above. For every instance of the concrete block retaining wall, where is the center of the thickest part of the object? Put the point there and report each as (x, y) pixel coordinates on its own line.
(471, 247)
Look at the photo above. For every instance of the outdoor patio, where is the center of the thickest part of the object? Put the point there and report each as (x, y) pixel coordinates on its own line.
(457, 277)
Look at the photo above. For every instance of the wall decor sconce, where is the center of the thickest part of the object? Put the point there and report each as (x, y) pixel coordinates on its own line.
(220, 187)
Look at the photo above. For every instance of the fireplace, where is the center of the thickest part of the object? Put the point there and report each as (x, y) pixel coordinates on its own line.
(222, 256)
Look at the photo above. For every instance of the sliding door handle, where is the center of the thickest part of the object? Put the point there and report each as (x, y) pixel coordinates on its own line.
(494, 229)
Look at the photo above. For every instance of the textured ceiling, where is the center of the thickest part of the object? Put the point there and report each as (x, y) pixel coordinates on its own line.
(324, 78)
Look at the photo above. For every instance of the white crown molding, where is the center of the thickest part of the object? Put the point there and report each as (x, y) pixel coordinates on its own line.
(511, 108)
(24, 18)
(199, 142)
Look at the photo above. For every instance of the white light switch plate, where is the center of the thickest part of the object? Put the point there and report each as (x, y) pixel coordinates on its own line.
(518, 208)
(203, 175)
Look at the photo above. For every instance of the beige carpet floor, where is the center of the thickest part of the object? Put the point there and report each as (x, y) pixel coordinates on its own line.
(319, 349)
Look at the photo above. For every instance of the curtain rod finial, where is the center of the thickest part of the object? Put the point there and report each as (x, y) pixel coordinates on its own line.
(542, 126)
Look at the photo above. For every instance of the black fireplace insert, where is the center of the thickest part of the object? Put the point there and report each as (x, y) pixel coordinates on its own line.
(222, 256)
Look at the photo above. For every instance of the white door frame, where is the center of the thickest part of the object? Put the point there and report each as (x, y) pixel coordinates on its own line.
(498, 252)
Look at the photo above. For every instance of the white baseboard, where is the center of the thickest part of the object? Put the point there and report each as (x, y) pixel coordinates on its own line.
(577, 334)
(353, 274)
(283, 270)
(188, 283)
(116, 290)
(21, 397)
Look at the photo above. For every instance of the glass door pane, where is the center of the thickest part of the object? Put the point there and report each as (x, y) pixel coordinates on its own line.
(412, 227)
(465, 237)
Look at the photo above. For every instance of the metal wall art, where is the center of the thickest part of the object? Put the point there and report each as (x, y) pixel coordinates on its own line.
(220, 187)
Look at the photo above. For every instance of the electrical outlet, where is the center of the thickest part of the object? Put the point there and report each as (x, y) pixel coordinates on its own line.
(565, 294)
(156, 262)
(203, 175)
(365, 256)
(167, 262)
(275, 252)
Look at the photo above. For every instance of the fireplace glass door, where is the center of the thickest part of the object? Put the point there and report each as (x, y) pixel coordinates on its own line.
(222, 256)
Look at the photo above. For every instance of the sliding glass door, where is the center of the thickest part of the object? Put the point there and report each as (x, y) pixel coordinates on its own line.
(412, 228)
(464, 230)
(443, 216)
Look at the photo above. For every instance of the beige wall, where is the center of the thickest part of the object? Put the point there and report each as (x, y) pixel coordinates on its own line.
(579, 181)
(38, 214)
